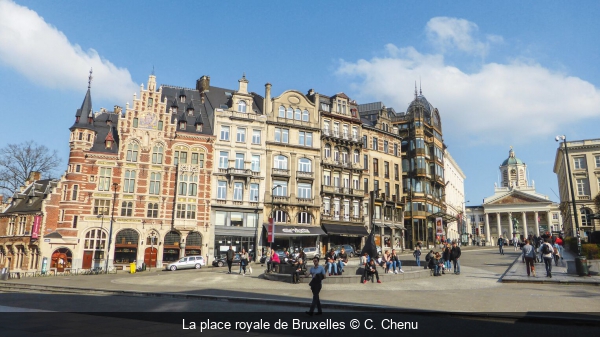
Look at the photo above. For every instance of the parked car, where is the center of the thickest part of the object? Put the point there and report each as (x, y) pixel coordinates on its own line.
(222, 261)
(187, 262)
(311, 252)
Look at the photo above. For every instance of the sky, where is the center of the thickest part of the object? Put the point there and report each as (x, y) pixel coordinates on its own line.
(501, 74)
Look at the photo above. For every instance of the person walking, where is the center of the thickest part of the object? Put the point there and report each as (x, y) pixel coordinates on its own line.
(515, 243)
(229, 258)
(556, 253)
(501, 245)
(244, 260)
(317, 273)
(417, 255)
(529, 255)
(560, 243)
(455, 255)
(546, 250)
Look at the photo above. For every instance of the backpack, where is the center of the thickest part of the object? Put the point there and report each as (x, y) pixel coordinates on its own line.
(545, 249)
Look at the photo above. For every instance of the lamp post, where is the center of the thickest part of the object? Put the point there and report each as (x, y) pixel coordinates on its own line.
(112, 219)
(464, 237)
(152, 237)
(580, 261)
(101, 217)
(272, 213)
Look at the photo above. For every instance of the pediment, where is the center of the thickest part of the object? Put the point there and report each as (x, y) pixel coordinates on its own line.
(519, 198)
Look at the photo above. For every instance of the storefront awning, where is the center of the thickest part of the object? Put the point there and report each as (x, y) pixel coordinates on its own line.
(346, 230)
(295, 230)
(447, 217)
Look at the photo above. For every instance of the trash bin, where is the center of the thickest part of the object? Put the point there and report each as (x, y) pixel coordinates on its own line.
(143, 266)
(132, 268)
(581, 266)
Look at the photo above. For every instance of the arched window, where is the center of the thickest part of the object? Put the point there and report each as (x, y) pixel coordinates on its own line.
(183, 184)
(280, 216)
(298, 114)
(193, 186)
(304, 217)
(304, 165)
(172, 239)
(336, 153)
(95, 240)
(282, 111)
(129, 184)
(127, 236)
(281, 162)
(356, 156)
(157, 154)
(290, 113)
(193, 244)
(305, 116)
(327, 151)
(132, 152)
(241, 106)
(344, 157)
(585, 221)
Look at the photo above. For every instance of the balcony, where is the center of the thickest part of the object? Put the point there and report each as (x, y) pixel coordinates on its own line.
(280, 199)
(338, 163)
(583, 197)
(305, 201)
(305, 175)
(281, 172)
(342, 218)
(237, 115)
(341, 190)
(240, 172)
(341, 135)
(296, 122)
(357, 192)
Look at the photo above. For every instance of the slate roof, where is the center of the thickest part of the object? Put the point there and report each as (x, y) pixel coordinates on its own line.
(201, 113)
(103, 130)
(30, 200)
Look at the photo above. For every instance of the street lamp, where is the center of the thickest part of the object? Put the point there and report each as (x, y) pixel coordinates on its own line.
(152, 237)
(464, 238)
(112, 219)
(580, 263)
(272, 213)
(101, 217)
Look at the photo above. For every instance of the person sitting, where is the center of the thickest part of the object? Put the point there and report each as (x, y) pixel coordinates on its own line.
(298, 269)
(395, 262)
(275, 261)
(331, 261)
(438, 264)
(342, 260)
(428, 258)
(370, 270)
(385, 261)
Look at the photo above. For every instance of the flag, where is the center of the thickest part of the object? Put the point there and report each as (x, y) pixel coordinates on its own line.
(271, 231)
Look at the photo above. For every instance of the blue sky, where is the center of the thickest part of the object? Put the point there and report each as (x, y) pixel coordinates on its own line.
(504, 73)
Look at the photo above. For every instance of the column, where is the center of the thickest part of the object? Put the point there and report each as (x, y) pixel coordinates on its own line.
(498, 224)
(537, 223)
(549, 221)
(510, 226)
(524, 216)
(487, 229)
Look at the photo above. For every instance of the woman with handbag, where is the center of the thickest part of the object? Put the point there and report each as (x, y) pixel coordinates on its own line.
(243, 260)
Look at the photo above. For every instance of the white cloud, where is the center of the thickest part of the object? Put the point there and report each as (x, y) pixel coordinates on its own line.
(43, 54)
(451, 33)
(497, 103)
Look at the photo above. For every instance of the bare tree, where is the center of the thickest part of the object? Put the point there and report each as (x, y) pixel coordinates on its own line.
(17, 161)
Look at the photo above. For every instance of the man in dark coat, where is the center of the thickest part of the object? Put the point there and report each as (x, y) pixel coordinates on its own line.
(455, 256)
(229, 258)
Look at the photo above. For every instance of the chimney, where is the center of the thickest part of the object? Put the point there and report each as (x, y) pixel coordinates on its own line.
(33, 176)
(267, 107)
(203, 84)
(243, 85)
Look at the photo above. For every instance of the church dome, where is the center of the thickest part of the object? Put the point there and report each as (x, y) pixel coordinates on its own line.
(512, 160)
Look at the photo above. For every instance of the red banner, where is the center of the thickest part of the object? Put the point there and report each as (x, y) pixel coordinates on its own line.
(271, 231)
(35, 230)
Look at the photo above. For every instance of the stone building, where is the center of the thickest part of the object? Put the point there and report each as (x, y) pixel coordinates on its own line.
(584, 159)
(455, 196)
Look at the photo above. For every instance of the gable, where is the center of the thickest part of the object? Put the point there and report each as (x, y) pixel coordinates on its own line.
(517, 199)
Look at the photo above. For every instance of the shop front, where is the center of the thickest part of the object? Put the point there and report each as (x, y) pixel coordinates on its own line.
(171, 248)
(126, 247)
(345, 235)
(236, 229)
(293, 237)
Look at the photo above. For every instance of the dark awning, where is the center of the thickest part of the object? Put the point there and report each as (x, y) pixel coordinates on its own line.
(447, 217)
(346, 229)
(295, 230)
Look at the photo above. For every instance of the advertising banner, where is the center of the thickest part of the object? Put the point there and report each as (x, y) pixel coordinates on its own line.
(439, 230)
(35, 231)
(271, 231)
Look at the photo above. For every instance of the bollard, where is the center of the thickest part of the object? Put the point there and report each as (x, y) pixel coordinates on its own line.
(132, 268)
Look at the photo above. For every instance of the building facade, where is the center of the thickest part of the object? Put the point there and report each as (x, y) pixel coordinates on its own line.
(584, 160)
(455, 196)
(515, 211)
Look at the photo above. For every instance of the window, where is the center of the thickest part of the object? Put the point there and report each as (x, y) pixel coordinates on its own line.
(126, 208)
(280, 216)
(77, 168)
(582, 188)
(180, 158)
(326, 206)
(375, 144)
(238, 189)
(297, 114)
(355, 209)
(281, 189)
(304, 165)
(75, 220)
(223, 159)
(355, 182)
(132, 152)
(160, 125)
(282, 135)
(201, 160)
(304, 217)
(241, 135)
(194, 158)
(152, 210)
(336, 129)
(336, 153)
(154, 183)
(74, 195)
(327, 178)
(186, 211)
(241, 106)
(157, 154)
(356, 157)
(336, 179)
(255, 136)
(239, 161)
(387, 190)
(365, 141)
(325, 107)
(327, 151)
(282, 111)
(150, 102)
(354, 133)
(255, 164)
(375, 167)
(101, 207)
(135, 122)
(396, 172)
(396, 150)
(11, 227)
(281, 162)
(386, 146)
(386, 169)
(597, 158)
(585, 220)
(579, 163)
(188, 184)
(376, 185)
(305, 138)
(129, 184)
(224, 132)
(304, 190)
(104, 179)
(305, 117)
(366, 162)
(22, 223)
(222, 190)
(254, 192)
(344, 156)
(345, 133)
(290, 113)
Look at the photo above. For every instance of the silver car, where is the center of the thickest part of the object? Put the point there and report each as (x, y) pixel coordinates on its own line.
(311, 252)
(187, 262)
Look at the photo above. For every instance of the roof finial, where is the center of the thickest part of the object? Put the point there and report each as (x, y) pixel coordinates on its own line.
(90, 79)
(420, 92)
(415, 89)
(153, 70)
(244, 75)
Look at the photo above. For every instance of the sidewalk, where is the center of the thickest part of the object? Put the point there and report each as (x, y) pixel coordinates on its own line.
(517, 273)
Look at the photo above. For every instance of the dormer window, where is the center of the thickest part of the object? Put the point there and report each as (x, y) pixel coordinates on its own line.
(182, 98)
(174, 109)
(190, 111)
(109, 144)
(325, 107)
(242, 106)
(199, 127)
(182, 125)
(109, 122)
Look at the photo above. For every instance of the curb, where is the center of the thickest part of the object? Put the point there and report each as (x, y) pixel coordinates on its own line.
(535, 281)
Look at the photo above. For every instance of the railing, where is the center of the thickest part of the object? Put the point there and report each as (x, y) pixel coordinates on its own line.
(342, 190)
(583, 197)
(305, 200)
(281, 172)
(341, 135)
(353, 219)
(235, 114)
(277, 198)
(303, 174)
(358, 192)
(296, 122)
(238, 171)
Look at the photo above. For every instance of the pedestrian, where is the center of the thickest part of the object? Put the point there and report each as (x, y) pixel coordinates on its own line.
(501, 245)
(529, 254)
(298, 269)
(447, 256)
(546, 250)
(229, 258)
(417, 255)
(560, 243)
(556, 253)
(455, 255)
(515, 243)
(438, 264)
(275, 261)
(317, 273)
(243, 260)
